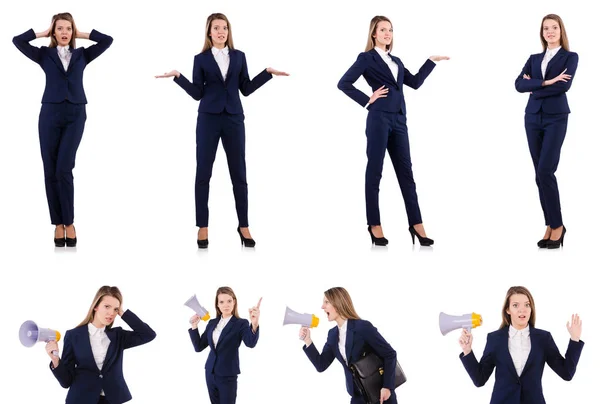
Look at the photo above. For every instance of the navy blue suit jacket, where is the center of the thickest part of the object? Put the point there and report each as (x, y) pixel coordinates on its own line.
(63, 85)
(550, 99)
(215, 94)
(361, 337)
(377, 73)
(77, 369)
(224, 359)
(526, 389)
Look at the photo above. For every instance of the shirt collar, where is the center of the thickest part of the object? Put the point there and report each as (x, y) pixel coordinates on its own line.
(552, 52)
(382, 52)
(512, 331)
(93, 330)
(216, 51)
(60, 48)
(344, 327)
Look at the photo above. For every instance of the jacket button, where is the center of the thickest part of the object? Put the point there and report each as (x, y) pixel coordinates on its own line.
(101, 376)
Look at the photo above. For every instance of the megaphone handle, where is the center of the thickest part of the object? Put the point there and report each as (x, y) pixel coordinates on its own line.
(55, 353)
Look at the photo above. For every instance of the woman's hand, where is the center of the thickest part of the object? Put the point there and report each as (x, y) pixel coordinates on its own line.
(172, 73)
(305, 335)
(561, 77)
(121, 311)
(276, 72)
(82, 35)
(385, 395)
(465, 341)
(255, 315)
(52, 351)
(194, 321)
(526, 77)
(575, 327)
(381, 92)
(45, 33)
(437, 58)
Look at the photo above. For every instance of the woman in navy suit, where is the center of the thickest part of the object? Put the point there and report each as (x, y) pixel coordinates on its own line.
(386, 123)
(63, 115)
(220, 74)
(224, 336)
(519, 351)
(547, 77)
(347, 341)
(91, 365)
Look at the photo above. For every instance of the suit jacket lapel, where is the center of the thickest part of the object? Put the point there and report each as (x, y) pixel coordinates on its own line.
(215, 65)
(226, 330)
(233, 57)
(54, 56)
(75, 55)
(559, 55)
(534, 338)
(210, 328)
(506, 353)
(382, 65)
(350, 333)
(112, 347)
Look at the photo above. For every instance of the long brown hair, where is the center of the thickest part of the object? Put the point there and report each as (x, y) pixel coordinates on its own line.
(226, 290)
(517, 290)
(65, 17)
(207, 40)
(111, 291)
(372, 30)
(342, 302)
(564, 41)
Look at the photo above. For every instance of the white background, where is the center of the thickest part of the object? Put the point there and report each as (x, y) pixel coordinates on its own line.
(134, 183)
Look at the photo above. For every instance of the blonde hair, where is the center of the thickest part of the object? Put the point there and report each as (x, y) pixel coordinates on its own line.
(372, 30)
(226, 290)
(65, 17)
(104, 291)
(517, 290)
(207, 39)
(564, 41)
(342, 302)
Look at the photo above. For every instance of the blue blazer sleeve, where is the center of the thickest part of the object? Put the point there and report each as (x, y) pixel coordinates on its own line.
(320, 361)
(524, 85)
(346, 83)
(564, 367)
(249, 337)
(199, 342)
(65, 371)
(248, 86)
(141, 334)
(384, 350)
(480, 371)
(415, 81)
(560, 87)
(103, 42)
(22, 44)
(196, 88)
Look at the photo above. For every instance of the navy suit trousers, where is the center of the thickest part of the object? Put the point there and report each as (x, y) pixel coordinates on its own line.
(60, 128)
(221, 389)
(387, 131)
(545, 135)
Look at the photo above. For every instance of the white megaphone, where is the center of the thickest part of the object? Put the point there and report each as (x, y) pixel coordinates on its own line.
(30, 333)
(193, 304)
(467, 321)
(305, 320)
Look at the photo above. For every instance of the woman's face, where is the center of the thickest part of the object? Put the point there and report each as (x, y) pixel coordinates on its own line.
(519, 309)
(225, 303)
(383, 34)
(219, 31)
(551, 30)
(332, 314)
(106, 311)
(63, 32)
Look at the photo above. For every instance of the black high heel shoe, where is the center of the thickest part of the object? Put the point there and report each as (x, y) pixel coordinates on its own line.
(59, 242)
(424, 241)
(380, 241)
(543, 243)
(552, 244)
(203, 243)
(246, 242)
(71, 242)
